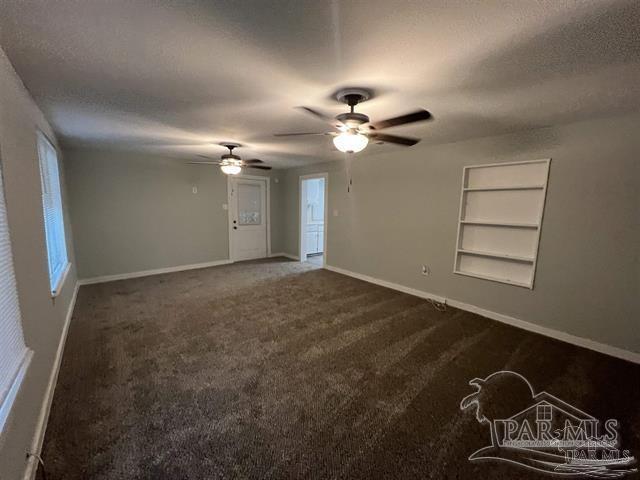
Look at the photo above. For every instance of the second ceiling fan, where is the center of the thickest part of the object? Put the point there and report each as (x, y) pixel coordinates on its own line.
(232, 164)
(355, 129)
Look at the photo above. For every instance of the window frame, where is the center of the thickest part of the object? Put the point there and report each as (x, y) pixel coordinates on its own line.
(55, 283)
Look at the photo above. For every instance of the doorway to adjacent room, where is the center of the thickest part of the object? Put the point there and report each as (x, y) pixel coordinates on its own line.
(313, 218)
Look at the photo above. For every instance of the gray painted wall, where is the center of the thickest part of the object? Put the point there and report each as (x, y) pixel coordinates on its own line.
(403, 208)
(42, 317)
(135, 212)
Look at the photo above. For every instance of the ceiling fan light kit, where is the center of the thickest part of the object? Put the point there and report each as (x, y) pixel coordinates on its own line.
(350, 142)
(230, 169)
(356, 130)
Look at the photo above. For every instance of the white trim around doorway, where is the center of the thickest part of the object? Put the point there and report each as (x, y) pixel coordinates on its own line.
(301, 252)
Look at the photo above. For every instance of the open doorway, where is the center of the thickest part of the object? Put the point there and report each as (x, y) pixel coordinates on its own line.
(313, 218)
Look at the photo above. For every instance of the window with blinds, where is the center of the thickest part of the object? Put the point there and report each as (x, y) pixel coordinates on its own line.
(14, 355)
(53, 215)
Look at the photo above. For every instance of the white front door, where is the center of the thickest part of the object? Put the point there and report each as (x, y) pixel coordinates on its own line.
(248, 219)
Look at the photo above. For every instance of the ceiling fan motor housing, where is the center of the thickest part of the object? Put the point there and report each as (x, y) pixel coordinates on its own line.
(352, 119)
(230, 158)
(352, 97)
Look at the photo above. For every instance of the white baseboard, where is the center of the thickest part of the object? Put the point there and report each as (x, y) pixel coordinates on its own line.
(627, 355)
(286, 255)
(43, 417)
(146, 273)
(384, 283)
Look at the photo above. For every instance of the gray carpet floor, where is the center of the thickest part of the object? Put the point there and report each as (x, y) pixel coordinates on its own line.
(279, 370)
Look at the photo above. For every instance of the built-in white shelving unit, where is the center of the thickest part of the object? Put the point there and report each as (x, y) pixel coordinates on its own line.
(501, 209)
(502, 187)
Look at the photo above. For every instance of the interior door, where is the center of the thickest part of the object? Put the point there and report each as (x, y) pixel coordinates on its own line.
(249, 219)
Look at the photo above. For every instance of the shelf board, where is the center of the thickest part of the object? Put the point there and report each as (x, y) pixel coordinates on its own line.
(499, 224)
(503, 256)
(506, 187)
(494, 279)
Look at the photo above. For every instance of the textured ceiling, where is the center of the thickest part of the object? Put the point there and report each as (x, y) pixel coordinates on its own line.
(177, 77)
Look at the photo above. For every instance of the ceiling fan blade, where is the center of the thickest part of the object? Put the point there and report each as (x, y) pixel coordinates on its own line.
(204, 163)
(383, 137)
(322, 116)
(252, 160)
(261, 167)
(417, 116)
(297, 134)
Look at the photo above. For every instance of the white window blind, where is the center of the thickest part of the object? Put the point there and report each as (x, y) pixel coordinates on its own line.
(13, 352)
(53, 216)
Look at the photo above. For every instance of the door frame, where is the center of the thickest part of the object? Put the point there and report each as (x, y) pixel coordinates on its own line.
(267, 181)
(301, 252)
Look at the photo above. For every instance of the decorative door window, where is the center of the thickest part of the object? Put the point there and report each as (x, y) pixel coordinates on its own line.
(249, 204)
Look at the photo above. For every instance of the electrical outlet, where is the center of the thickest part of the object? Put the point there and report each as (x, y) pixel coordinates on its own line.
(426, 271)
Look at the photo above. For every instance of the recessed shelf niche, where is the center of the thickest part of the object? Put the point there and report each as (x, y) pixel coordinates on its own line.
(501, 209)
